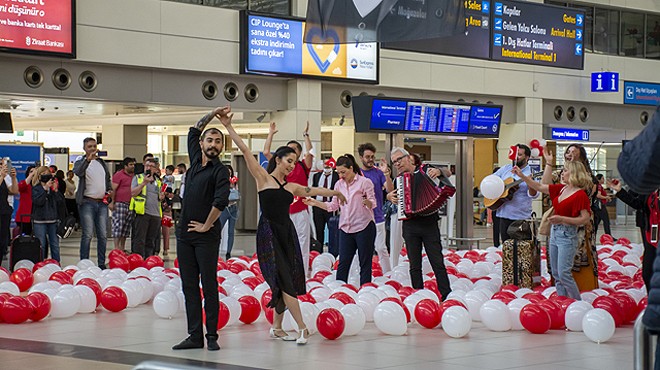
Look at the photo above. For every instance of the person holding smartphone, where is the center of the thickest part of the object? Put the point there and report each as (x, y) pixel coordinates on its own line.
(8, 188)
(45, 202)
(647, 220)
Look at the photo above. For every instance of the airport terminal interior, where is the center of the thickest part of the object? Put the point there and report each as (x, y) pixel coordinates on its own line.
(135, 75)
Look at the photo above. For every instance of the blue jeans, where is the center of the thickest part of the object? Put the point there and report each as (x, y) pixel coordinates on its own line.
(229, 215)
(361, 242)
(563, 245)
(41, 231)
(93, 216)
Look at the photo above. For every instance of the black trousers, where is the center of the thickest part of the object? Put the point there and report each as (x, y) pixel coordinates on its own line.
(5, 234)
(647, 262)
(321, 218)
(424, 231)
(361, 242)
(147, 229)
(496, 229)
(600, 214)
(199, 258)
(504, 226)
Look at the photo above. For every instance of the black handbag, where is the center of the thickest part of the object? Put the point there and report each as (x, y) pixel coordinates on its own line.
(522, 230)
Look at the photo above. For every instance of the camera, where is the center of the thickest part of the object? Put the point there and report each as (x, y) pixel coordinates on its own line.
(46, 177)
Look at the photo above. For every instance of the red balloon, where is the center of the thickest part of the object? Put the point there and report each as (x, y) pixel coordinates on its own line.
(610, 305)
(250, 309)
(351, 287)
(237, 267)
(405, 292)
(153, 261)
(330, 323)
(394, 284)
(307, 298)
(223, 315)
(449, 303)
(398, 301)
(256, 269)
(427, 313)
(322, 275)
(176, 262)
(71, 272)
(534, 143)
(367, 285)
(40, 305)
(534, 297)
(342, 297)
(504, 295)
(53, 261)
(376, 272)
(61, 277)
(251, 281)
(95, 286)
(23, 278)
(36, 266)
(114, 299)
(269, 312)
(535, 319)
(557, 314)
(628, 306)
(119, 262)
(265, 298)
(624, 241)
(116, 252)
(134, 261)
(16, 310)
(510, 287)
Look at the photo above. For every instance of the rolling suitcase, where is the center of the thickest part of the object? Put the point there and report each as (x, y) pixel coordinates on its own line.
(521, 263)
(24, 247)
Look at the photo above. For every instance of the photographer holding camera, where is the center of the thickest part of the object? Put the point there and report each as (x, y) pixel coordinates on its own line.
(45, 202)
(146, 202)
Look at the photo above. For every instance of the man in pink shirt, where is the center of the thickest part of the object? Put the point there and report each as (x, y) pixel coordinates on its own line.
(122, 219)
(300, 175)
(356, 220)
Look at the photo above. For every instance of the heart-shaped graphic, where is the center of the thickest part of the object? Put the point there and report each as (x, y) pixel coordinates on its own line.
(329, 35)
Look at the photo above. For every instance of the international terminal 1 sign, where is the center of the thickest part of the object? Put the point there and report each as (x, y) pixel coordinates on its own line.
(274, 46)
(44, 27)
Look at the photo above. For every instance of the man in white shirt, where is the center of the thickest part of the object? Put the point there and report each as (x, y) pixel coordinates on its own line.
(94, 185)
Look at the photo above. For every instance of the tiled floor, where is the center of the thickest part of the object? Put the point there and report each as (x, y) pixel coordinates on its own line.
(106, 340)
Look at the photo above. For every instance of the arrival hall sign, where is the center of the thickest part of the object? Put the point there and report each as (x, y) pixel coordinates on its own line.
(538, 34)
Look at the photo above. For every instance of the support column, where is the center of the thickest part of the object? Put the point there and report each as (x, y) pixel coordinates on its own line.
(464, 186)
(304, 105)
(528, 126)
(125, 141)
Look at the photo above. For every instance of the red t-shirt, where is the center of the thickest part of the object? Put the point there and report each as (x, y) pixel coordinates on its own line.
(571, 206)
(300, 176)
(123, 192)
(24, 202)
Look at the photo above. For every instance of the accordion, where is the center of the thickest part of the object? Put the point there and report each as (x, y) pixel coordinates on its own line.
(419, 195)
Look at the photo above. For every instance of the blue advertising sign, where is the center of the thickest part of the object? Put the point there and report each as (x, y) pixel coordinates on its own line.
(21, 157)
(604, 81)
(570, 134)
(641, 93)
(485, 120)
(274, 46)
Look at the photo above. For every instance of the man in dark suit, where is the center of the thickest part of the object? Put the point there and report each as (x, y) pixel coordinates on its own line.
(325, 179)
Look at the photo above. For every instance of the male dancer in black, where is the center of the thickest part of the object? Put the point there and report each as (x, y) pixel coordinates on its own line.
(207, 194)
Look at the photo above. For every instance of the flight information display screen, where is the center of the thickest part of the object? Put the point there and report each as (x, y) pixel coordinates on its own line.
(454, 118)
(422, 117)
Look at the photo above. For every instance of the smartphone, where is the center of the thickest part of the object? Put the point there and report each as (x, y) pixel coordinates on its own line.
(654, 233)
(147, 172)
(8, 163)
(102, 153)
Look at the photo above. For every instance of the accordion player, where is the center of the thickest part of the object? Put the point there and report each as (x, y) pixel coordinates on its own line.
(420, 195)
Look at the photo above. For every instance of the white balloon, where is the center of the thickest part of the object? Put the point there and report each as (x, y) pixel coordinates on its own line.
(474, 299)
(495, 315)
(4, 276)
(321, 294)
(9, 287)
(368, 302)
(354, 318)
(65, 304)
(514, 312)
(234, 310)
(309, 312)
(389, 291)
(25, 264)
(589, 296)
(182, 300)
(260, 290)
(390, 318)
(492, 186)
(87, 299)
(575, 313)
(522, 291)
(133, 293)
(86, 264)
(245, 274)
(166, 304)
(147, 290)
(425, 293)
(535, 152)
(542, 143)
(173, 285)
(456, 322)
(334, 303)
(598, 325)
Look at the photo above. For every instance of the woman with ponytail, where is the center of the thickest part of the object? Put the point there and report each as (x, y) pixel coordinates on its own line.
(278, 251)
(356, 220)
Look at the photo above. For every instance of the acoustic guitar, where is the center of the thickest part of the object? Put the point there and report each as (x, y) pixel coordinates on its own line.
(510, 187)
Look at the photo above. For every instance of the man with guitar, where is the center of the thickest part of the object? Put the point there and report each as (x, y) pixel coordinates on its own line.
(516, 201)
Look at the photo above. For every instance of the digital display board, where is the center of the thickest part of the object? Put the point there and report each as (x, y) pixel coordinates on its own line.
(539, 34)
(375, 114)
(43, 27)
(422, 117)
(274, 46)
(485, 120)
(474, 43)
